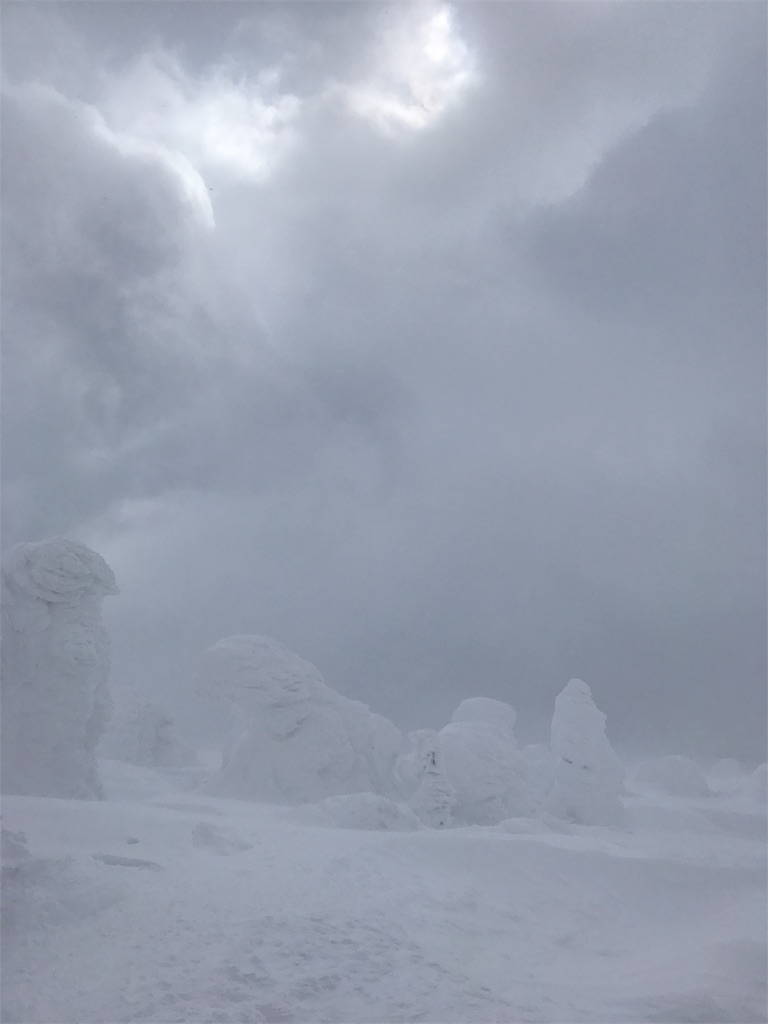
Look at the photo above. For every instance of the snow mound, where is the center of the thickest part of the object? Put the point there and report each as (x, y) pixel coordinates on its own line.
(41, 892)
(650, 818)
(294, 739)
(673, 775)
(13, 847)
(588, 776)
(142, 732)
(522, 827)
(364, 811)
(482, 763)
(55, 665)
(206, 836)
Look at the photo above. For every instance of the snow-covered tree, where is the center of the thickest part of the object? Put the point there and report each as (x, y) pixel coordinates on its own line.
(589, 777)
(55, 665)
(294, 738)
(673, 775)
(142, 731)
(483, 764)
(435, 796)
(539, 764)
(756, 786)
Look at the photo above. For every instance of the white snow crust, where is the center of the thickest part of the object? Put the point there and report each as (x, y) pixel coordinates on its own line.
(357, 876)
(55, 666)
(588, 776)
(366, 811)
(179, 908)
(295, 739)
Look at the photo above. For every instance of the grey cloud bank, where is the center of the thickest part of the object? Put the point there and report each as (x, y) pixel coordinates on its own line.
(471, 407)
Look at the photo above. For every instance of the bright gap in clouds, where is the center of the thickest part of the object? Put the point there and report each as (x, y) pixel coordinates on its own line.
(242, 124)
(232, 122)
(421, 68)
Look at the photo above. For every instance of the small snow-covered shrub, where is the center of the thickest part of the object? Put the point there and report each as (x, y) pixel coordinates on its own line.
(55, 664)
(673, 775)
(588, 776)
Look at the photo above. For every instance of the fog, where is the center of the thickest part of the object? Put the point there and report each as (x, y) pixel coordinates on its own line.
(428, 340)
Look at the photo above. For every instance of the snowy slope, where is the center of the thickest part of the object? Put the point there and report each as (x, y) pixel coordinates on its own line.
(162, 905)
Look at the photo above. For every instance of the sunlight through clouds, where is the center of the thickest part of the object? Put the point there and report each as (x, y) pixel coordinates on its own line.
(421, 68)
(232, 123)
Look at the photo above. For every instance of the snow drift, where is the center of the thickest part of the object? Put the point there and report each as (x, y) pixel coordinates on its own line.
(589, 777)
(366, 812)
(55, 665)
(294, 739)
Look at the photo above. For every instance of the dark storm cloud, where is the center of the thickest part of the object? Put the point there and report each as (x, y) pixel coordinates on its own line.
(456, 412)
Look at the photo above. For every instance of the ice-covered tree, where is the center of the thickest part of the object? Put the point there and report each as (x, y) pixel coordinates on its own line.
(142, 731)
(435, 797)
(55, 665)
(588, 776)
(294, 739)
(483, 764)
(673, 775)
(756, 786)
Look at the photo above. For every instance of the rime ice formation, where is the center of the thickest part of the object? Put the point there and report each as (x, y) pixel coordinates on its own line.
(727, 776)
(295, 739)
(55, 664)
(756, 786)
(482, 763)
(435, 796)
(588, 774)
(673, 775)
(540, 771)
(141, 731)
(727, 768)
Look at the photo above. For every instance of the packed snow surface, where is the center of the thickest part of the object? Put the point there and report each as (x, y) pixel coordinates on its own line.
(159, 904)
(55, 666)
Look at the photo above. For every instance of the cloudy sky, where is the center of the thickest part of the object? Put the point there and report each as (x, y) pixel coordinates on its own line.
(428, 339)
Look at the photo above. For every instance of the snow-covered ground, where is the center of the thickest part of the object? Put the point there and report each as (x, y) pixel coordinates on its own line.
(159, 904)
